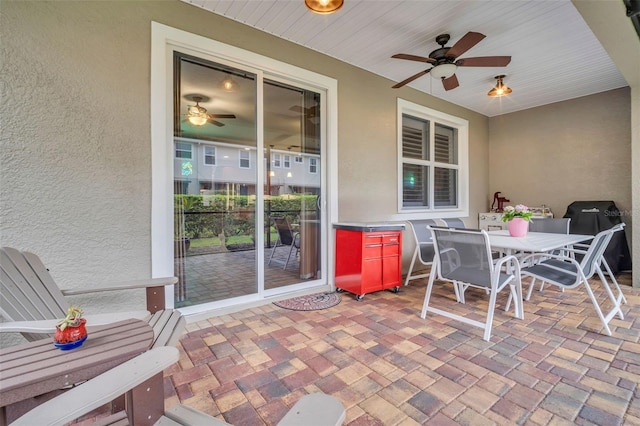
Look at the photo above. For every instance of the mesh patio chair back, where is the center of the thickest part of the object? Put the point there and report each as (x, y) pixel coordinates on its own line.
(454, 223)
(424, 251)
(463, 257)
(286, 237)
(285, 234)
(552, 226)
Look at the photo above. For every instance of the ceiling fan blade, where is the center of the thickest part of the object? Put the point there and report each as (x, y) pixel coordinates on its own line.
(222, 116)
(413, 58)
(484, 61)
(309, 112)
(410, 79)
(450, 83)
(214, 122)
(469, 40)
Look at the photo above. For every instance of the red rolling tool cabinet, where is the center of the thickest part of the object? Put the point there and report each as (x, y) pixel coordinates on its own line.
(368, 257)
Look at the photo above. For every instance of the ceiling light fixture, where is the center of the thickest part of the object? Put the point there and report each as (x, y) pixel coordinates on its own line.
(324, 7)
(228, 85)
(196, 114)
(443, 71)
(500, 89)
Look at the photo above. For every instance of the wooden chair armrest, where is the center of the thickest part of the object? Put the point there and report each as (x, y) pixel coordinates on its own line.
(49, 326)
(100, 390)
(153, 282)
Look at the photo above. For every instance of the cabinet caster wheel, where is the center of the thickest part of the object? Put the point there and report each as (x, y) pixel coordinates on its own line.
(360, 297)
(339, 290)
(396, 289)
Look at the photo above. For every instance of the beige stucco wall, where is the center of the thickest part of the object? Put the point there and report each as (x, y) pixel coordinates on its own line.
(613, 28)
(575, 150)
(76, 151)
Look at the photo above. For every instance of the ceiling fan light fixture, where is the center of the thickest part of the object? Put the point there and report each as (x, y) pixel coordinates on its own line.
(500, 88)
(197, 119)
(324, 7)
(443, 71)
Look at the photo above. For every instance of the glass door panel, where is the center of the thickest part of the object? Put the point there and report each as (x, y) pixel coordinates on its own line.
(292, 190)
(215, 174)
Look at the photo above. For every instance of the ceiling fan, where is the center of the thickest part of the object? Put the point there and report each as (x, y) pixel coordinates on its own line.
(198, 115)
(445, 60)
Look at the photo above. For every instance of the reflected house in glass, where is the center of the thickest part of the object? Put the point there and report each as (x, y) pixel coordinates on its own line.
(218, 143)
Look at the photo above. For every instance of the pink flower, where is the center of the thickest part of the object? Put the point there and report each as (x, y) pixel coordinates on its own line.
(521, 208)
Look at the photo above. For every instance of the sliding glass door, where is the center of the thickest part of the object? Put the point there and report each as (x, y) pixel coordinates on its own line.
(247, 181)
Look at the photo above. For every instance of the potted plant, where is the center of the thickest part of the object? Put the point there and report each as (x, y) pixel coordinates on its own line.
(517, 219)
(71, 331)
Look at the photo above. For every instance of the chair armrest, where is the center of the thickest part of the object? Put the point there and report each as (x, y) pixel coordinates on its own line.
(551, 256)
(153, 282)
(102, 389)
(498, 263)
(49, 326)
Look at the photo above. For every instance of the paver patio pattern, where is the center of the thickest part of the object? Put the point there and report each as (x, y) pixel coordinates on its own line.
(389, 367)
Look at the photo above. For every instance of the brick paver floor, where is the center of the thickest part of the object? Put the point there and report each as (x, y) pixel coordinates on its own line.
(390, 367)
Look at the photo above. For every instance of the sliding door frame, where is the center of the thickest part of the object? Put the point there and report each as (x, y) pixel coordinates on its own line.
(164, 41)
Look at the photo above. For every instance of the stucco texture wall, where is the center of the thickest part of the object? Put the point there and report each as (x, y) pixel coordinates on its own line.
(75, 166)
(576, 150)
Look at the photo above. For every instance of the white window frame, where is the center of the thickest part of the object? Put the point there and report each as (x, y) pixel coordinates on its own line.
(462, 126)
(286, 161)
(313, 163)
(298, 159)
(276, 162)
(205, 155)
(241, 156)
(190, 151)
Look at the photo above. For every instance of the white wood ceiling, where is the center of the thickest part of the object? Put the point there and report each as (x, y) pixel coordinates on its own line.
(555, 56)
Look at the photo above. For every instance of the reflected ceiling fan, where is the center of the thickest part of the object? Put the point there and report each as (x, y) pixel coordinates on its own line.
(445, 60)
(198, 115)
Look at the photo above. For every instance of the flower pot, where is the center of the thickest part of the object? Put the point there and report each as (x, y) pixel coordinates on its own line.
(518, 227)
(72, 336)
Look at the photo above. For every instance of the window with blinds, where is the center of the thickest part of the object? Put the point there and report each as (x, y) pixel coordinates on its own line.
(430, 163)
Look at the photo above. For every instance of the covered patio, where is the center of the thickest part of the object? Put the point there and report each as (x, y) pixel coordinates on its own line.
(389, 367)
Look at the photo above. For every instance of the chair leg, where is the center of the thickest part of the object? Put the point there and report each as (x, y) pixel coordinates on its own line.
(615, 282)
(614, 300)
(489, 320)
(427, 293)
(413, 261)
(531, 285)
(597, 307)
(273, 250)
(288, 257)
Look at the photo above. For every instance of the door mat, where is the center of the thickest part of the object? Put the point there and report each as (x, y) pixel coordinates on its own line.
(310, 302)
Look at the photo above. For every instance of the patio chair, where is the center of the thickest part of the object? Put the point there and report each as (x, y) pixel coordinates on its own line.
(463, 257)
(565, 271)
(311, 409)
(454, 222)
(424, 251)
(32, 303)
(286, 237)
(551, 226)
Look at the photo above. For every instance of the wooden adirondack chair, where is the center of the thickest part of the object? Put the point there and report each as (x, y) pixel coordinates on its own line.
(32, 303)
(310, 410)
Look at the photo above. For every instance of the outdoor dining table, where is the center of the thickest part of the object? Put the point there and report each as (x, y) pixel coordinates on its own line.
(533, 242)
(37, 368)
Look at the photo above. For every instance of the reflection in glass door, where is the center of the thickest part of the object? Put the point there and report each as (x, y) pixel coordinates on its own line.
(292, 183)
(214, 181)
(219, 210)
